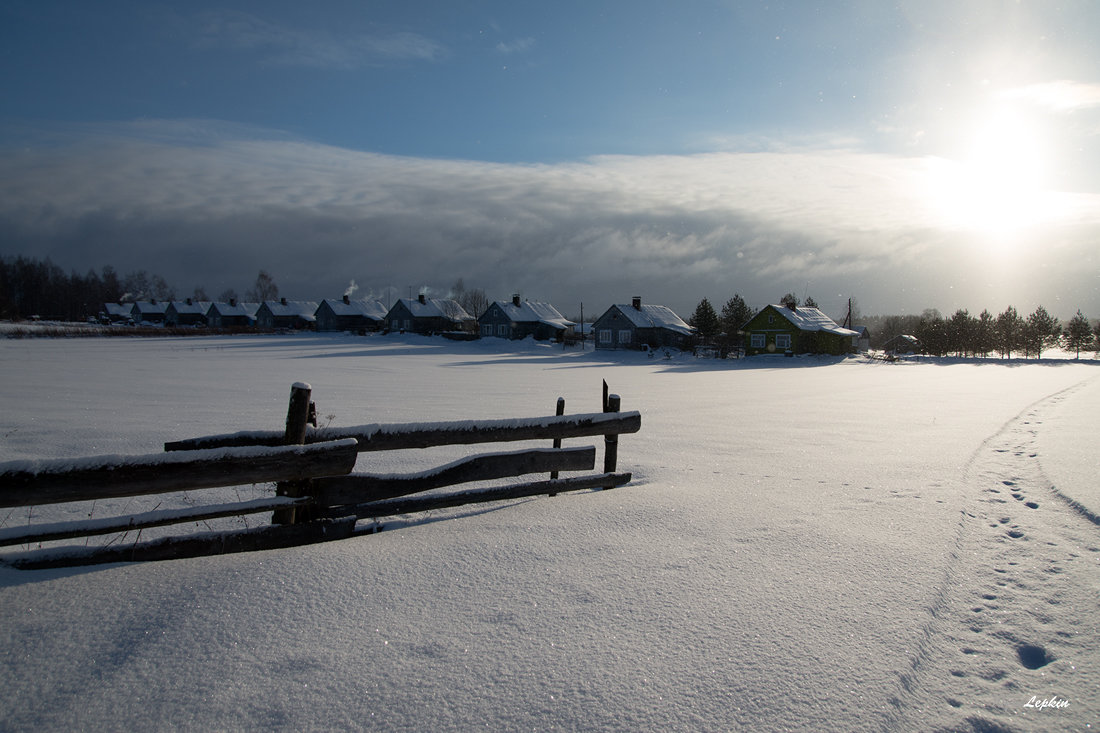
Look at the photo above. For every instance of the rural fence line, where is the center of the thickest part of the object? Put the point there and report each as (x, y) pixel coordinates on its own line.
(318, 497)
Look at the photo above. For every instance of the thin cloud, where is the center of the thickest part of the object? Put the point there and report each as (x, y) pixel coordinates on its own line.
(1060, 96)
(283, 46)
(519, 45)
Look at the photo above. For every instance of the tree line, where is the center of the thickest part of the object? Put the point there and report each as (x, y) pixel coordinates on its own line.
(1005, 334)
(962, 334)
(32, 287)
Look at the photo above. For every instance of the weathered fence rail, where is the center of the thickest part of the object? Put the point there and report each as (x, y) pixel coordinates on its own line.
(400, 436)
(318, 497)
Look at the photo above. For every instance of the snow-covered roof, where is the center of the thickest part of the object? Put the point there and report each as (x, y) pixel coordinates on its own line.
(122, 310)
(304, 309)
(197, 307)
(812, 319)
(436, 308)
(534, 312)
(373, 309)
(238, 309)
(149, 307)
(655, 316)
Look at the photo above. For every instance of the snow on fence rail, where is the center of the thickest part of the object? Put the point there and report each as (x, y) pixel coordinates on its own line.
(317, 496)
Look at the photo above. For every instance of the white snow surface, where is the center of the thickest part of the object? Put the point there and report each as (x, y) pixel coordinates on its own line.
(807, 544)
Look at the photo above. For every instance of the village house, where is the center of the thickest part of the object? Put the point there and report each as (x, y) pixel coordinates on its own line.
(429, 315)
(118, 312)
(346, 314)
(516, 319)
(782, 329)
(641, 326)
(186, 313)
(231, 314)
(148, 311)
(298, 315)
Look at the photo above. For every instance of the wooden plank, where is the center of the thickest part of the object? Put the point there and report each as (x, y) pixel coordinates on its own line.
(400, 436)
(268, 537)
(361, 488)
(34, 533)
(28, 483)
(410, 505)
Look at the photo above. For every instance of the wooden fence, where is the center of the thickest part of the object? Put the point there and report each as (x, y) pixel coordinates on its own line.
(317, 497)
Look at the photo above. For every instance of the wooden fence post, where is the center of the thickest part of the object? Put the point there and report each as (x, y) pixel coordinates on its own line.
(557, 441)
(297, 420)
(610, 441)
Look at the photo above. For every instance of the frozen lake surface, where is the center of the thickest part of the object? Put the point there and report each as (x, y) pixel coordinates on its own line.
(808, 544)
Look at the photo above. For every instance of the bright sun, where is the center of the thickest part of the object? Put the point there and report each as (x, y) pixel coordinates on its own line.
(997, 188)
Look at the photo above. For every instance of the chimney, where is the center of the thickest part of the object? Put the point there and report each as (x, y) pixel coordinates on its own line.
(233, 302)
(791, 305)
(153, 301)
(637, 302)
(189, 302)
(423, 297)
(515, 299)
(347, 299)
(282, 301)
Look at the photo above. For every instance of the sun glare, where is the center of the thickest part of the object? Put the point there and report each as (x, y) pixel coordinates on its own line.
(997, 188)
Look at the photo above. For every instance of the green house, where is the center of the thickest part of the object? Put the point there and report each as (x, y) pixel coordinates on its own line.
(781, 329)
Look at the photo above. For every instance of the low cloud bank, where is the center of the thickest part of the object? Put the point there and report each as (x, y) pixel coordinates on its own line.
(207, 205)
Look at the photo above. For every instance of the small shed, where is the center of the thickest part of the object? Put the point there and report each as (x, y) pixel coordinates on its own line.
(902, 344)
(186, 313)
(297, 315)
(862, 340)
(232, 314)
(516, 319)
(350, 315)
(429, 315)
(797, 330)
(640, 326)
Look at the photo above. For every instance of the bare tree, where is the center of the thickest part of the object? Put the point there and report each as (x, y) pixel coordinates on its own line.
(264, 289)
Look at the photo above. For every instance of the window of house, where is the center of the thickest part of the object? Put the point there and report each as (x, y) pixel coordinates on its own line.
(502, 329)
(408, 324)
(783, 341)
(757, 341)
(625, 336)
(395, 325)
(605, 335)
(771, 319)
(486, 329)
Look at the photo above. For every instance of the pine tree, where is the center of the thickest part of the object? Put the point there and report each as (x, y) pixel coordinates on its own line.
(1041, 331)
(1078, 334)
(705, 320)
(735, 313)
(984, 333)
(1009, 332)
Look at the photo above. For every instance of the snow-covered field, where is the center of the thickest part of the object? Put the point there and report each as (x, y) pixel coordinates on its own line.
(808, 544)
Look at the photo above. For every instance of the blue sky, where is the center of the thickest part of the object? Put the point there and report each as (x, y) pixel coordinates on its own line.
(909, 155)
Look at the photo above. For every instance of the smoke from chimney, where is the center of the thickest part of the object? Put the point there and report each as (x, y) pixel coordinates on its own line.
(351, 289)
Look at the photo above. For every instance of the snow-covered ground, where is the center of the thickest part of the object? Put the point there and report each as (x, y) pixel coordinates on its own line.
(808, 544)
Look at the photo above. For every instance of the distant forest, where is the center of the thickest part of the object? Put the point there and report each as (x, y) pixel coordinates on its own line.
(31, 287)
